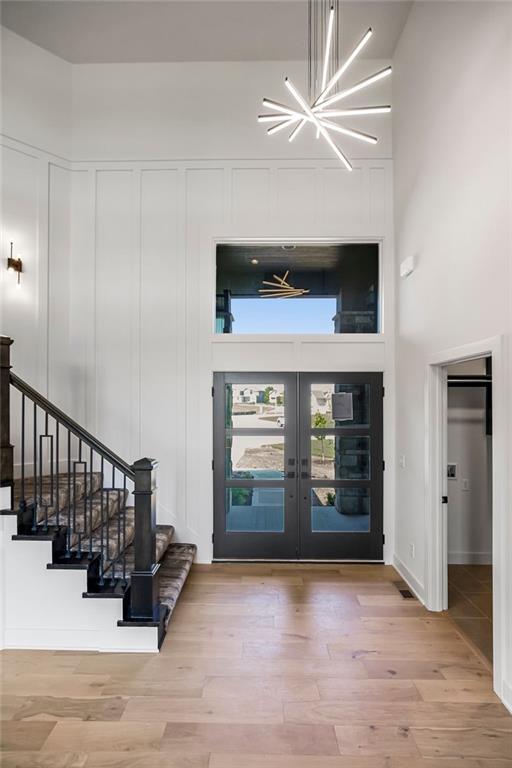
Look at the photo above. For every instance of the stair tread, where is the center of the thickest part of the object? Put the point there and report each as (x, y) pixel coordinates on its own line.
(174, 569)
(82, 488)
(118, 532)
(93, 510)
(164, 534)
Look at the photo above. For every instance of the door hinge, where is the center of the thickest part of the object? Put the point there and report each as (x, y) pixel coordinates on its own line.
(383, 538)
(213, 464)
(383, 465)
(213, 537)
(383, 391)
(213, 391)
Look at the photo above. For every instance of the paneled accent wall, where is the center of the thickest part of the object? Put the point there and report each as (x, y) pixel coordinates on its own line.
(121, 293)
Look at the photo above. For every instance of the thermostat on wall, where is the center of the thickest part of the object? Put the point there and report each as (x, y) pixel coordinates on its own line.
(407, 266)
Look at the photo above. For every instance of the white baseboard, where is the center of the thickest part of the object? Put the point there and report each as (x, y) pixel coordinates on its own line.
(470, 558)
(411, 580)
(507, 695)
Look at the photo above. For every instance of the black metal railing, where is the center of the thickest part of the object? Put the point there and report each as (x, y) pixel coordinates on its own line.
(63, 478)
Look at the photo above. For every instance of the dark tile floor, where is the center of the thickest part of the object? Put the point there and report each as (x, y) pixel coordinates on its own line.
(470, 603)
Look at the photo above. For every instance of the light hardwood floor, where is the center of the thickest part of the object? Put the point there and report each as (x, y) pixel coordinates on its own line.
(470, 603)
(266, 666)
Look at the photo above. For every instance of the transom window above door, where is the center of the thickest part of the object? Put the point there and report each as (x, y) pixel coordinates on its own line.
(280, 289)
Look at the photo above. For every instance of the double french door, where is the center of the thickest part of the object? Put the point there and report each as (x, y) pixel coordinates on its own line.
(298, 466)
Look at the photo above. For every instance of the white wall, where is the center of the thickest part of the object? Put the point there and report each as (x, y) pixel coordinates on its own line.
(166, 160)
(202, 111)
(469, 503)
(452, 158)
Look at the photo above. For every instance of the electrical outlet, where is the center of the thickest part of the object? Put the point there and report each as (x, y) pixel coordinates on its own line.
(411, 550)
(465, 484)
(401, 461)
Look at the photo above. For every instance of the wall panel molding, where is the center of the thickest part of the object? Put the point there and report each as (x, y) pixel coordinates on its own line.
(142, 293)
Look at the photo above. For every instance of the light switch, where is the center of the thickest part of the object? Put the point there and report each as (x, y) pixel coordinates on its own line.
(465, 484)
(401, 461)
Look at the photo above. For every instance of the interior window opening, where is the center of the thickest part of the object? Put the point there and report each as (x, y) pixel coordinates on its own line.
(297, 289)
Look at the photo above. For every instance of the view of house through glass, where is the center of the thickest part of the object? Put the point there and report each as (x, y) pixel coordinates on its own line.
(297, 289)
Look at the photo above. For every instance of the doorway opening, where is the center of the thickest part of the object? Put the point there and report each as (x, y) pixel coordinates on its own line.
(298, 468)
(469, 509)
(437, 489)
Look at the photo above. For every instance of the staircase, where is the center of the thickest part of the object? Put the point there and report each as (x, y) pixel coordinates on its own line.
(89, 517)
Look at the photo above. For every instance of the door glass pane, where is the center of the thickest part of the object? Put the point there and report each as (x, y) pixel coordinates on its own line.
(340, 509)
(339, 457)
(340, 405)
(255, 457)
(254, 509)
(255, 406)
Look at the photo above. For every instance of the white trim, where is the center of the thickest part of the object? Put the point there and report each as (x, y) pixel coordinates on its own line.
(475, 558)
(411, 580)
(436, 487)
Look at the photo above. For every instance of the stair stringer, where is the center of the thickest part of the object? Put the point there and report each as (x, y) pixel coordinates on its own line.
(44, 608)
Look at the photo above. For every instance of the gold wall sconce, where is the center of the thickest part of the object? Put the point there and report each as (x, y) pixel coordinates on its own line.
(16, 265)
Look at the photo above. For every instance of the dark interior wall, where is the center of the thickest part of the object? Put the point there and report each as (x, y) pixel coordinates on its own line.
(324, 270)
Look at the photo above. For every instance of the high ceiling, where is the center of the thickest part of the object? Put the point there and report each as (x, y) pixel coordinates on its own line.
(94, 31)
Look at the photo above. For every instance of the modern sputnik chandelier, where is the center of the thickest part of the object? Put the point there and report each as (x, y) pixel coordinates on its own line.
(281, 289)
(324, 86)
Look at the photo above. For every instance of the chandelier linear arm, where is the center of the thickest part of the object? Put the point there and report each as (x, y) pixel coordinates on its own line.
(353, 89)
(298, 128)
(349, 132)
(300, 100)
(281, 126)
(346, 64)
(278, 107)
(328, 42)
(353, 112)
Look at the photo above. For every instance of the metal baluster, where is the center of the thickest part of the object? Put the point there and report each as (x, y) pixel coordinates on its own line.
(115, 495)
(91, 459)
(23, 503)
(68, 532)
(34, 511)
(119, 512)
(57, 425)
(102, 557)
(79, 532)
(124, 529)
(107, 547)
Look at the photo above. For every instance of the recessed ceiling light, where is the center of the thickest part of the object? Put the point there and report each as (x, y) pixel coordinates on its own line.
(288, 247)
(254, 261)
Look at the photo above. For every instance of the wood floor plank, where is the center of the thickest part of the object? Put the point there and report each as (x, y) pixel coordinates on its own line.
(24, 736)
(464, 742)
(43, 759)
(406, 713)
(283, 739)
(456, 690)
(332, 688)
(58, 708)
(294, 761)
(369, 740)
(64, 685)
(219, 710)
(399, 669)
(278, 688)
(103, 737)
(145, 760)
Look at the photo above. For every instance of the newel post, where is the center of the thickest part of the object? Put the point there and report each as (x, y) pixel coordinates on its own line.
(144, 579)
(6, 449)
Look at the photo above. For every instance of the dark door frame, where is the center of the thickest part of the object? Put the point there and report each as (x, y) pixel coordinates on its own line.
(263, 545)
(297, 542)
